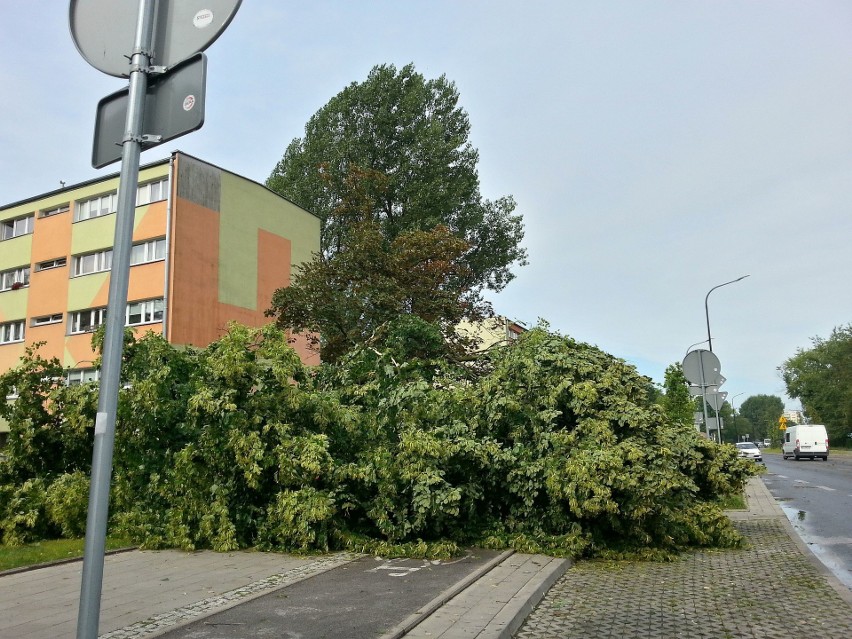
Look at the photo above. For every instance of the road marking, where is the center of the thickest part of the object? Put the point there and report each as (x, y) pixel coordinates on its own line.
(827, 488)
(801, 481)
(783, 476)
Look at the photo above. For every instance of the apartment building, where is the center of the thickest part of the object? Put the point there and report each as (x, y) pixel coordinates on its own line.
(209, 246)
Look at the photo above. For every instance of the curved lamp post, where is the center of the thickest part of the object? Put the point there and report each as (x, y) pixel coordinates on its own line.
(734, 413)
(707, 311)
(689, 350)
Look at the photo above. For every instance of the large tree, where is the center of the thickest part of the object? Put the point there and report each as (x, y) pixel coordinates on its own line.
(763, 412)
(402, 141)
(357, 295)
(821, 377)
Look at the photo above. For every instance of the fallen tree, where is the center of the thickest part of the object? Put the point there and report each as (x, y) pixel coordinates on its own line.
(547, 445)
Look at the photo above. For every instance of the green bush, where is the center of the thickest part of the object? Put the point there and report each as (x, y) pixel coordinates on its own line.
(67, 502)
(24, 518)
(547, 445)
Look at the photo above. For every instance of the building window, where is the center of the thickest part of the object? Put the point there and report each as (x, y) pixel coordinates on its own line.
(63, 208)
(144, 312)
(96, 207)
(46, 319)
(152, 192)
(150, 251)
(92, 263)
(85, 321)
(17, 227)
(15, 278)
(12, 332)
(49, 264)
(77, 376)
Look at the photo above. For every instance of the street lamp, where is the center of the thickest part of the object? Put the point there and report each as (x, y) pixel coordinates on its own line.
(707, 311)
(688, 350)
(734, 412)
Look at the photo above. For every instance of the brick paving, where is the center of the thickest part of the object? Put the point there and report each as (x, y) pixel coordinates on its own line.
(770, 591)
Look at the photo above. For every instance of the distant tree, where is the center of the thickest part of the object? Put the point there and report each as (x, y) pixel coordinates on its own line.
(763, 412)
(400, 141)
(676, 401)
(821, 377)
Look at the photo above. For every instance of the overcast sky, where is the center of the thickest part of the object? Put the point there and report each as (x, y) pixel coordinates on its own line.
(656, 149)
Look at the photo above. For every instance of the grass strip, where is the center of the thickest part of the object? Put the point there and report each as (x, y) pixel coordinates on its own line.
(51, 550)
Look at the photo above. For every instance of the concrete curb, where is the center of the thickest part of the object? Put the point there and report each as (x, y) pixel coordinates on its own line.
(423, 613)
(518, 609)
(495, 605)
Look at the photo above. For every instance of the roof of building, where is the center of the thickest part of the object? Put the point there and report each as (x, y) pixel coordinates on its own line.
(109, 176)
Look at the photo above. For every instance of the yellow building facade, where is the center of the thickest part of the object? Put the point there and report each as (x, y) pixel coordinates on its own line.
(209, 246)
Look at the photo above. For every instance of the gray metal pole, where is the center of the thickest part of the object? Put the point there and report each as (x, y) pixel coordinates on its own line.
(96, 522)
(707, 309)
(703, 394)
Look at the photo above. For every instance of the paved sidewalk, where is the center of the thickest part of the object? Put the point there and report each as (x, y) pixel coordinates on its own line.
(146, 592)
(776, 589)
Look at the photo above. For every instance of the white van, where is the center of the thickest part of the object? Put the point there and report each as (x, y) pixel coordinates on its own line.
(805, 440)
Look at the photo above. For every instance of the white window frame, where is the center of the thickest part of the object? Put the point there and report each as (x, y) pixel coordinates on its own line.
(94, 318)
(56, 210)
(154, 191)
(78, 376)
(16, 276)
(145, 312)
(96, 207)
(148, 251)
(12, 332)
(16, 227)
(88, 263)
(44, 320)
(47, 265)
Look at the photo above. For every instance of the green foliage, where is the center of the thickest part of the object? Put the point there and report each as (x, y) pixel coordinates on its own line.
(676, 401)
(400, 142)
(547, 445)
(762, 412)
(67, 503)
(821, 377)
(354, 296)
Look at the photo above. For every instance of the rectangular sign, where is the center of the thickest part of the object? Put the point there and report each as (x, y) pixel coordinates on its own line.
(174, 106)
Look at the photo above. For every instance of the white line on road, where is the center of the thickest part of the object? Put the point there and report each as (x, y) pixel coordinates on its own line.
(827, 488)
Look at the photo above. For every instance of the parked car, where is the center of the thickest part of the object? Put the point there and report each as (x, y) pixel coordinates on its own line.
(749, 450)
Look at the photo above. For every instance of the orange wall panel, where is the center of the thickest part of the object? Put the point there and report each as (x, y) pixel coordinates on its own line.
(194, 274)
(146, 281)
(152, 223)
(48, 293)
(51, 237)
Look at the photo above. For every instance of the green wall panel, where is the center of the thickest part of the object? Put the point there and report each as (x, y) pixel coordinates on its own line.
(247, 207)
(16, 252)
(82, 290)
(13, 305)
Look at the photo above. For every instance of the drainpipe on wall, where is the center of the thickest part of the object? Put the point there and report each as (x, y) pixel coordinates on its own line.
(167, 265)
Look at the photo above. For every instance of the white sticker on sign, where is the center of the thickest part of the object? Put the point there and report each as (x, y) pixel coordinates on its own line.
(100, 423)
(188, 102)
(203, 18)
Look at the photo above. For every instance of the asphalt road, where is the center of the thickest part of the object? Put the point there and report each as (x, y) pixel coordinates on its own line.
(361, 600)
(817, 498)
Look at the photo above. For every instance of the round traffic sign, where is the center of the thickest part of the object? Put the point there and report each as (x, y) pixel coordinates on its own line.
(702, 367)
(104, 30)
